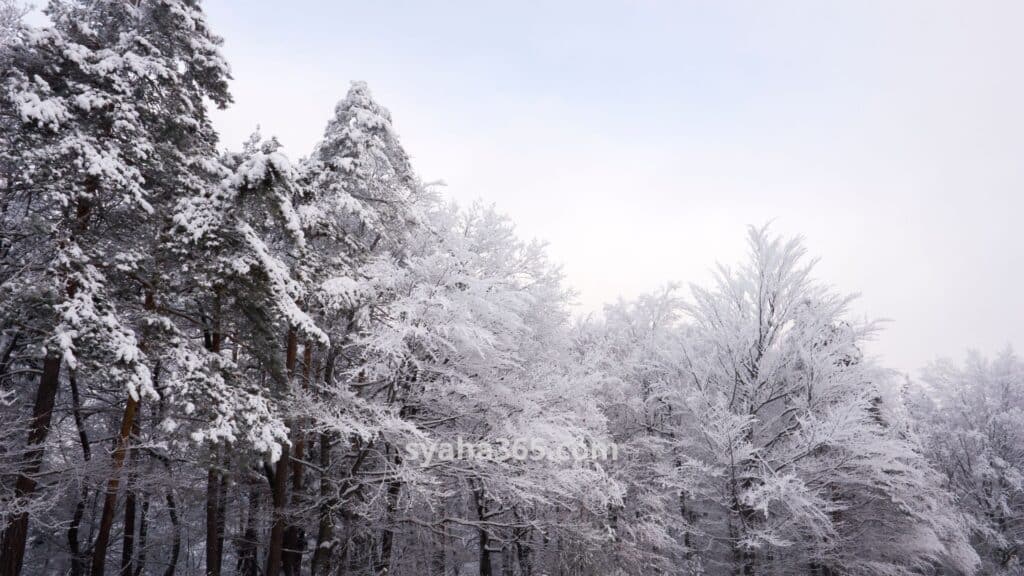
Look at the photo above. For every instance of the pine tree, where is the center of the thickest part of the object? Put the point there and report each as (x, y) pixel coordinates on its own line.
(111, 103)
(232, 349)
(239, 238)
(359, 205)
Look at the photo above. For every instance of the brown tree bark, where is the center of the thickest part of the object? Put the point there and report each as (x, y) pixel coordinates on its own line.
(279, 479)
(325, 529)
(128, 538)
(279, 498)
(15, 534)
(131, 408)
(215, 480)
(77, 558)
(216, 502)
(130, 512)
(222, 504)
(295, 535)
(99, 554)
(213, 496)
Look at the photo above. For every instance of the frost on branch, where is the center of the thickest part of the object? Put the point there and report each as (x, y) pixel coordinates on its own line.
(279, 359)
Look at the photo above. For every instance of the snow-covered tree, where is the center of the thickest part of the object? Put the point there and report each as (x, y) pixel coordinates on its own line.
(109, 102)
(971, 420)
(756, 438)
(795, 450)
(632, 353)
(481, 320)
(363, 188)
(11, 13)
(224, 361)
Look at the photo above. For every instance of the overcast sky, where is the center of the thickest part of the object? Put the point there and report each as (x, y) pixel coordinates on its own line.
(639, 138)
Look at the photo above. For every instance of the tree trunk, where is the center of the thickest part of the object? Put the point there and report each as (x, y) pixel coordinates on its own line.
(744, 557)
(508, 564)
(5, 358)
(295, 535)
(77, 558)
(325, 530)
(212, 339)
(222, 503)
(172, 511)
(99, 555)
(439, 552)
(128, 542)
(213, 497)
(140, 565)
(293, 549)
(483, 536)
(522, 545)
(15, 534)
(689, 519)
(485, 552)
(248, 553)
(279, 498)
(279, 481)
(524, 556)
(388, 537)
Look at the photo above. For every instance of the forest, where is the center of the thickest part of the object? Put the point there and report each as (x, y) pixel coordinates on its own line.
(235, 362)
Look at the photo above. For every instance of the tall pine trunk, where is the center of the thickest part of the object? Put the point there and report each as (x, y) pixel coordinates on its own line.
(172, 511)
(128, 538)
(248, 548)
(99, 554)
(77, 557)
(279, 499)
(325, 528)
(130, 512)
(295, 535)
(215, 480)
(140, 562)
(279, 480)
(222, 505)
(15, 535)
(213, 506)
(131, 408)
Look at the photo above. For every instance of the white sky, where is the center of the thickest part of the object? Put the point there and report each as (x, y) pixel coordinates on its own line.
(640, 138)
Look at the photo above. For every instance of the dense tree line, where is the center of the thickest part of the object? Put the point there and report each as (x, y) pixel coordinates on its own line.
(235, 363)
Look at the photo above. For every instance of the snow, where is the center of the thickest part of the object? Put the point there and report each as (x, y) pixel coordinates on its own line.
(46, 112)
(747, 423)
